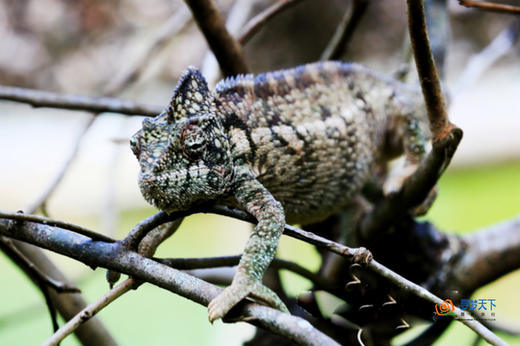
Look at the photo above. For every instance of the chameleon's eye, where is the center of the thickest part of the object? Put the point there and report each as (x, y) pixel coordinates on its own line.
(193, 142)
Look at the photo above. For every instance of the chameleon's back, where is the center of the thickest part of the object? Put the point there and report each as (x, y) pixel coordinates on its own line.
(310, 134)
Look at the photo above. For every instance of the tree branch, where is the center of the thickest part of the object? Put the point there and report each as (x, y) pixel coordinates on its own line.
(490, 6)
(237, 16)
(38, 98)
(229, 261)
(57, 223)
(68, 305)
(446, 137)
(88, 312)
(32, 271)
(146, 248)
(114, 257)
(489, 254)
(431, 87)
(223, 45)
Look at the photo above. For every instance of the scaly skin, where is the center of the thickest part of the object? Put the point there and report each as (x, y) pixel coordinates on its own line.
(288, 146)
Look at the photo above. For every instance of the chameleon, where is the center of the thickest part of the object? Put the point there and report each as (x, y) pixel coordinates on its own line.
(289, 146)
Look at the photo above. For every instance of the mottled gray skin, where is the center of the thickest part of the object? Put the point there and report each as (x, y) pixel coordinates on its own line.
(294, 145)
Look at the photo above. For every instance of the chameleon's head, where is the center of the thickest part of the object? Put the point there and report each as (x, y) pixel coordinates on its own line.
(183, 153)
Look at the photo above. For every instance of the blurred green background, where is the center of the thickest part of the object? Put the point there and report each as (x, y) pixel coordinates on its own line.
(468, 199)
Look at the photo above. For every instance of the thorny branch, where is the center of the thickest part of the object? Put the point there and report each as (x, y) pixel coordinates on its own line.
(491, 6)
(113, 255)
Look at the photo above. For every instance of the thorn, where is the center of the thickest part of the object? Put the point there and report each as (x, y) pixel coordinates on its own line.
(366, 307)
(403, 325)
(359, 337)
(391, 301)
(356, 282)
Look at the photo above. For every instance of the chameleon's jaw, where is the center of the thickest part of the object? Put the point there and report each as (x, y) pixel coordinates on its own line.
(172, 191)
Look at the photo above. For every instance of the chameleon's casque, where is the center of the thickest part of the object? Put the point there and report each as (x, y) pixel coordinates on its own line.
(293, 145)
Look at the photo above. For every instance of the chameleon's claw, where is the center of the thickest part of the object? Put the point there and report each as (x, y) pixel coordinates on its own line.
(241, 287)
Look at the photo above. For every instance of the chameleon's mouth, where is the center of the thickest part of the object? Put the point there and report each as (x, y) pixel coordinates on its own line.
(176, 190)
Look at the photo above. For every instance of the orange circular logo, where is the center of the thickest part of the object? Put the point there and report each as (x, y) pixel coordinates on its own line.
(445, 308)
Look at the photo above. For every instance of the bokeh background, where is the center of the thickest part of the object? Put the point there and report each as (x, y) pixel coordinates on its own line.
(83, 46)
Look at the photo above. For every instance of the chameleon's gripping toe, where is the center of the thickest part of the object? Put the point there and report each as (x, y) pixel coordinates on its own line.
(243, 286)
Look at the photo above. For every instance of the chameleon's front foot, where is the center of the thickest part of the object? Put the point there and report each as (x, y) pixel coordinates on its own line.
(242, 287)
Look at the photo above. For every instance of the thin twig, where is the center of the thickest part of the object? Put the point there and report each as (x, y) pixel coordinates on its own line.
(57, 223)
(68, 305)
(345, 30)
(490, 6)
(289, 230)
(146, 248)
(223, 45)
(392, 276)
(228, 261)
(42, 281)
(258, 21)
(417, 290)
(39, 98)
(431, 87)
(88, 312)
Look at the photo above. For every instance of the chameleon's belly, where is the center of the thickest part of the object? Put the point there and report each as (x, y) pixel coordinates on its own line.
(315, 168)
